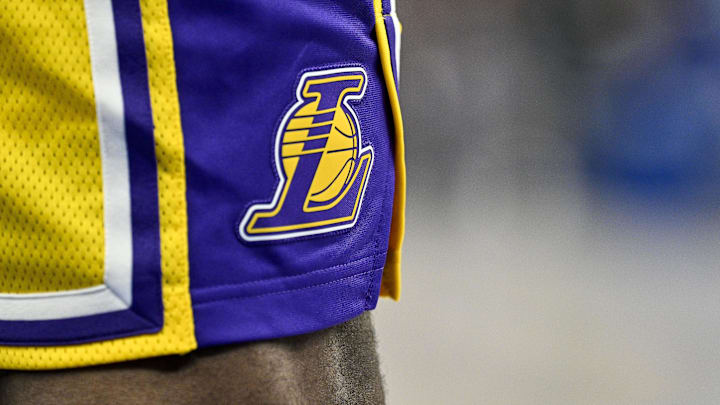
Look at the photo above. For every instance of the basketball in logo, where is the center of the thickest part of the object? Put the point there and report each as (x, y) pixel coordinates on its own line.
(321, 162)
(338, 160)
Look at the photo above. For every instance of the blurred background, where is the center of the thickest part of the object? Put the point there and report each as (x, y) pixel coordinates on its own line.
(563, 236)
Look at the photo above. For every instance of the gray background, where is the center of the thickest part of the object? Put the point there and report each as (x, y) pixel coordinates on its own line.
(525, 283)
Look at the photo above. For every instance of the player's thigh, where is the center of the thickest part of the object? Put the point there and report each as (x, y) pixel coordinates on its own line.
(336, 365)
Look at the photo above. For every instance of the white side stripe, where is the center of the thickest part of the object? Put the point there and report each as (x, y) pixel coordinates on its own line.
(398, 38)
(59, 305)
(113, 148)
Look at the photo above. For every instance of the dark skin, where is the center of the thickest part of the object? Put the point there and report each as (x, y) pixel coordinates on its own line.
(338, 365)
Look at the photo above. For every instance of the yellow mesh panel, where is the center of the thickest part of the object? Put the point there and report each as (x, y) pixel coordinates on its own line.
(178, 335)
(51, 218)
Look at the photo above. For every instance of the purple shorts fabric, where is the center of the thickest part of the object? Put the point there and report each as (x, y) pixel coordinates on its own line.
(290, 169)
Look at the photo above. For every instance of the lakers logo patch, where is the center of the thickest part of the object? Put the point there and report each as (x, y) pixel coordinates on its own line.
(320, 160)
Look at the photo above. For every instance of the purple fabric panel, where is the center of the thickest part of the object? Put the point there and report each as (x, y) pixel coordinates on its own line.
(262, 287)
(386, 6)
(146, 313)
(238, 67)
(286, 313)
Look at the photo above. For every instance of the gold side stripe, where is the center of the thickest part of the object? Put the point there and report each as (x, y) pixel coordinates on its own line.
(391, 282)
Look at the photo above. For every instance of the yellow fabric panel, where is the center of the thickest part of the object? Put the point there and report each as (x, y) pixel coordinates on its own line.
(51, 208)
(178, 335)
(390, 286)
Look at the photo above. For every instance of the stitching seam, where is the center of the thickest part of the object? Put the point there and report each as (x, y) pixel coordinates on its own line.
(267, 280)
(240, 298)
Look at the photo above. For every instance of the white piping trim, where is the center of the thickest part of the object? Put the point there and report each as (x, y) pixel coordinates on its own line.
(111, 126)
(59, 305)
(398, 38)
(116, 293)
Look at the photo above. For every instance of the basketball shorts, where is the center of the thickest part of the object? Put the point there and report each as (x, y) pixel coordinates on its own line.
(183, 174)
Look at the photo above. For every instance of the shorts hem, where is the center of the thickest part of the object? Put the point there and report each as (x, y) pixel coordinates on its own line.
(233, 315)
